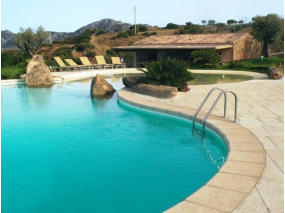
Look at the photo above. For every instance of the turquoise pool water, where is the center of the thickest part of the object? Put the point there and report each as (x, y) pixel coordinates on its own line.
(64, 152)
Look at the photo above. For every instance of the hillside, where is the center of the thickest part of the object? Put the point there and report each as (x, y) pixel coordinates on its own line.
(104, 42)
(108, 25)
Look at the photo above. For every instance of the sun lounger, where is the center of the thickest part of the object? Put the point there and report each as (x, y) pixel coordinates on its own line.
(85, 61)
(101, 61)
(73, 64)
(60, 63)
(117, 62)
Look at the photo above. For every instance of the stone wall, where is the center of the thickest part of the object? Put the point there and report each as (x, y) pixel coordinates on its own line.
(246, 48)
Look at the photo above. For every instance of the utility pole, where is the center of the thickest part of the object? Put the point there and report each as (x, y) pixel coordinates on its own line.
(135, 20)
(50, 39)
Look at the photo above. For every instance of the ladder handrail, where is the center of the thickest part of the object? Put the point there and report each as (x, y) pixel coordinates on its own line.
(223, 92)
(215, 103)
(205, 100)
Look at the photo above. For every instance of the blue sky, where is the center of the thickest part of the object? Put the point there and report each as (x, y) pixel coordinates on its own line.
(67, 16)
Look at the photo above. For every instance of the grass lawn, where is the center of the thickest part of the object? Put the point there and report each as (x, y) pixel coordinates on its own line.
(12, 72)
(254, 65)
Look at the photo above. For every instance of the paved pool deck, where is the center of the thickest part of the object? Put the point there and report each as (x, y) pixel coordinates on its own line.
(260, 110)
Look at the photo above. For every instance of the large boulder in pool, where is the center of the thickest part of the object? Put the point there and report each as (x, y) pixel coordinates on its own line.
(130, 81)
(275, 72)
(158, 91)
(38, 74)
(100, 88)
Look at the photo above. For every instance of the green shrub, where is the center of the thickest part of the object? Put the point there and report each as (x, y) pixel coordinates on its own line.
(131, 32)
(11, 58)
(171, 26)
(147, 34)
(80, 47)
(100, 32)
(128, 58)
(207, 58)
(121, 35)
(12, 72)
(111, 52)
(90, 54)
(139, 27)
(190, 29)
(170, 72)
(63, 52)
(85, 36)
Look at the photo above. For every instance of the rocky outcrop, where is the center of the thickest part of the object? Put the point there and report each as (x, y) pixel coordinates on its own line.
(100, 87)
(275, 73)
(38, 74)
(130, 81)
(158, 91)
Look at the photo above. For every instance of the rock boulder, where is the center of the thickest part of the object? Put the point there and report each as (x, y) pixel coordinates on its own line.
(130, 81)
(100, 87)
(158, 91)
(275, 73)
(38, 74)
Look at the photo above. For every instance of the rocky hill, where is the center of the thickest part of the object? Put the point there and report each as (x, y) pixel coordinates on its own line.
(7, 39)
(108, 25)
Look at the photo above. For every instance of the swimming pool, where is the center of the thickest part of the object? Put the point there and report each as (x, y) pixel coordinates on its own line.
(65, 152)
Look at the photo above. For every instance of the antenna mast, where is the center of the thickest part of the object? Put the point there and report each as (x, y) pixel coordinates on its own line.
(135, 9)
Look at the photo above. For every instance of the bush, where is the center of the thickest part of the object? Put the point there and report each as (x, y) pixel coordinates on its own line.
(128, 58)
(131, 32)
(170, 72)
(100, 32)
(63, 52)
(12, 72)
(190, 29)
(147, 34)
(140, 28)
(111, 52)
(80, 47)
(10, 58)
(90, 54)
(171, 26)
(207, 58)
(121, 35)
(85, 36)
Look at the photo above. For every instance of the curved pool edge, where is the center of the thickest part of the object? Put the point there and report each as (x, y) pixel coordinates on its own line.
(240, 172)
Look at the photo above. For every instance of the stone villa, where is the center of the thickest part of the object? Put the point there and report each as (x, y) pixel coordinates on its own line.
(230, 46)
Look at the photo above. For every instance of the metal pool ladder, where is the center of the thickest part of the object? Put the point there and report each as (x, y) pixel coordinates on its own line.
(222, 93)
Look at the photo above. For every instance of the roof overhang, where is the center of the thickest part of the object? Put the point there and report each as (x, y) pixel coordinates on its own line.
(181, 47)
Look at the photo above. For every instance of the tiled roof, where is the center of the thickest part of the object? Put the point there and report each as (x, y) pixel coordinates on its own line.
(214, 38)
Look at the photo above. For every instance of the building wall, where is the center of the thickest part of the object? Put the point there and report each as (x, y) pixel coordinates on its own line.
(226, 54)
(246, 48)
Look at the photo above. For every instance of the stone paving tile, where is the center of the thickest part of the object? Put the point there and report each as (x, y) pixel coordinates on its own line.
(217, 198)
(268, 144)
(278, 157)
(252, 204)
(234, 182)
(252, 157)
(242, 168)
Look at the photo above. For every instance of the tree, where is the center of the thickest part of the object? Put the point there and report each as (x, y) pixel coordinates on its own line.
(266, 29)
(30, 41)
(191, 29)
(220, 27)
(211, 22)
(204, 22)
(231, 21)
(240, 21)
(171, 26)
